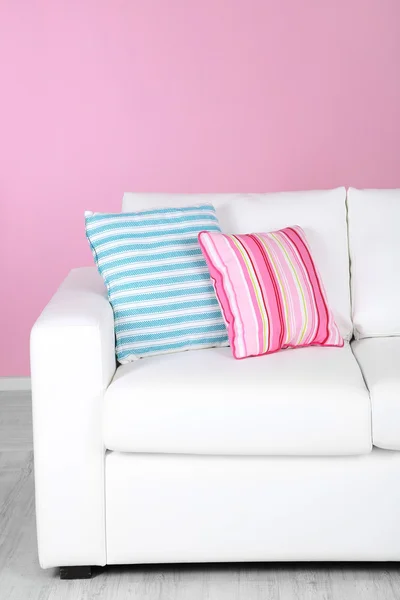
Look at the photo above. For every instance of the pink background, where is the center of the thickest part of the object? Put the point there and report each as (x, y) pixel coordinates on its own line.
(102, 96)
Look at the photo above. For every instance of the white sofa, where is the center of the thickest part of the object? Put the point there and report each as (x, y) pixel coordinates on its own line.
(194, 456)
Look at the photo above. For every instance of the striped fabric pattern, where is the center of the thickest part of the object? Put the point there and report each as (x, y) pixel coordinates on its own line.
(157, 279)
(270, 291)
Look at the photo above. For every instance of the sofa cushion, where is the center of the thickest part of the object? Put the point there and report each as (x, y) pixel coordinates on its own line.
(321, 214)
(269, 290)
(311, 401)
(374, 242)
(379, 359)
(157, 279)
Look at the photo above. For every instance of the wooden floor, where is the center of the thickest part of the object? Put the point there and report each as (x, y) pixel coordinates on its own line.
(21, 578)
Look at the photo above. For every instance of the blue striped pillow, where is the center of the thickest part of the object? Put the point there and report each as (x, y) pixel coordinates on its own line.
(157, 279)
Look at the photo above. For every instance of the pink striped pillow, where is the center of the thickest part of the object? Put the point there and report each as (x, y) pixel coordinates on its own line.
(270, 292)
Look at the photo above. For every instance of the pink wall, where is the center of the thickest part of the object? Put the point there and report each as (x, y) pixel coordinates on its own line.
(102, 96)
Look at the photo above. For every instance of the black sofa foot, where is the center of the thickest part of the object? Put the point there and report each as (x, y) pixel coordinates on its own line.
(75, 572)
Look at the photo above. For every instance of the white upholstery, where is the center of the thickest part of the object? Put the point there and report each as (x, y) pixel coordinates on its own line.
(309, 401)
(194, 509)
(192, 474)
(374, 217)
(322, 215)
(72, 362)
(379, 359)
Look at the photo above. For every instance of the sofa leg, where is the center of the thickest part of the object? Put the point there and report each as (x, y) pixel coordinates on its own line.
(75, 572)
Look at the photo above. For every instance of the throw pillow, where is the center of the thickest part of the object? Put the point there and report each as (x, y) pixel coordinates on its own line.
(157, 279)
(270, 291)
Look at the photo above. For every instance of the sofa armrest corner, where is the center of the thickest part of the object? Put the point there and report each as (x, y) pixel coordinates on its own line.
(72, 364)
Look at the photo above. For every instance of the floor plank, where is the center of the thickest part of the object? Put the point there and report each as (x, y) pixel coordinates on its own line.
(21, 578)
(15, 421)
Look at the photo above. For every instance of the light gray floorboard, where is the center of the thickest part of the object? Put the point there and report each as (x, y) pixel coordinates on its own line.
(21, 578)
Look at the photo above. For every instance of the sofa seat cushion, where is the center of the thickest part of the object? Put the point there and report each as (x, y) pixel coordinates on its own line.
(379, 359)
(309, 401)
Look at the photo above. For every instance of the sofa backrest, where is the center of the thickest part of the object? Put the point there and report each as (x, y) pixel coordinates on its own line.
(322, 215)
(374, 242)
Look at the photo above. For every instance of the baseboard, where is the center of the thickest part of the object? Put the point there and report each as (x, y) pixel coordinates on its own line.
(8, 384)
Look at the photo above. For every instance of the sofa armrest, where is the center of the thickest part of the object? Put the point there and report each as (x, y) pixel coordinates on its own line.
(72, 364)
